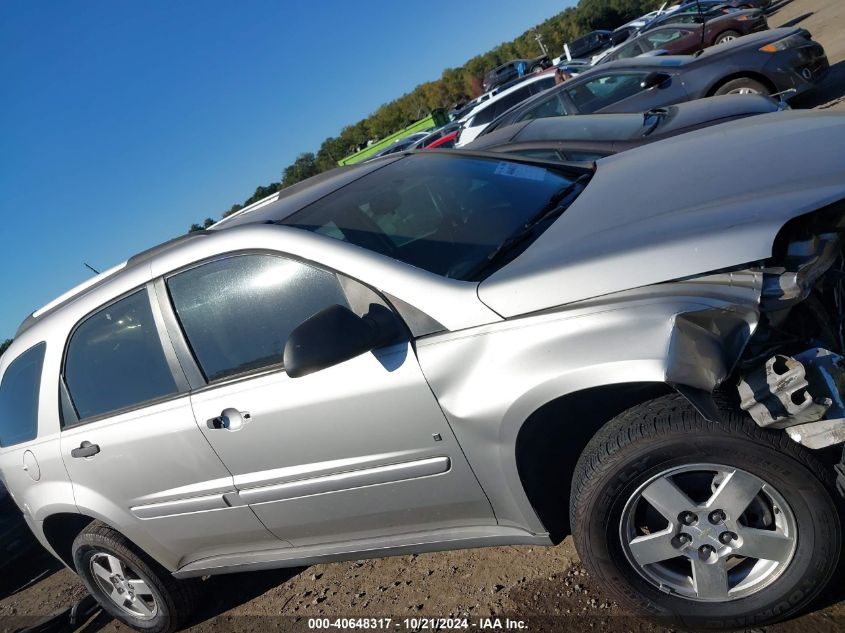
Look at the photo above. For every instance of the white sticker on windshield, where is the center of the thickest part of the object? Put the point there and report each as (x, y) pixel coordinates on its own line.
(515, 170)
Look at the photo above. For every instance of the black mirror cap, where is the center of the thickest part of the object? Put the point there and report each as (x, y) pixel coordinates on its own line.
(654, 79)
(336, 334)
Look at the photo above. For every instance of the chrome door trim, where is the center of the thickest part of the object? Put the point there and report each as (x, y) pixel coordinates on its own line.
(180, 506)
(342, 481)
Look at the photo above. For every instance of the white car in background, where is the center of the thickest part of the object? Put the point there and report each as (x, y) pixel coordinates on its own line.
(480, 116)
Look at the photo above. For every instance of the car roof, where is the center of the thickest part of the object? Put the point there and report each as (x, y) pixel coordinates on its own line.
(481, 106)
(609, 127)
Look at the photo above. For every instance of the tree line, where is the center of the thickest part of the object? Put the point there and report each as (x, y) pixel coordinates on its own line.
(456, 85)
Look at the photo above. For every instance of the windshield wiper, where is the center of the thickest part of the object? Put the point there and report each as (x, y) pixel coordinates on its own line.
(659, 114)
(556, 205)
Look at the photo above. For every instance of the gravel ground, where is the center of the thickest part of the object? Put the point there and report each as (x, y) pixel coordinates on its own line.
(545, 587)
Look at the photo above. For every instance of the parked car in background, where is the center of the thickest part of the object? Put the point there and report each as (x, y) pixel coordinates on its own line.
(402, 144)
(481, 115)
(623, 32)
(594, 136)
(587, 45)
(768, 62)
(449, 130)
(450, 349)
(690, 36)
(511, 70)
(692, 5)
(688, 16)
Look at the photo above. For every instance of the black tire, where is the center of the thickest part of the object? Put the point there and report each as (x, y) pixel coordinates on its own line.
(175, 600)
(667, 433)
(734, 86)
(727, 36)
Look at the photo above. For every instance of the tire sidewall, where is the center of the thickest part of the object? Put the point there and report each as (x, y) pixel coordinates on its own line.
(818, 536)
(85, 547)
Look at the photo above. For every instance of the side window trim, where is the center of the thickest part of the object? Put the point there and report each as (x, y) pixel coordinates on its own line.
(68, 415)
(174, 334)
(182, 383)
(185, 355)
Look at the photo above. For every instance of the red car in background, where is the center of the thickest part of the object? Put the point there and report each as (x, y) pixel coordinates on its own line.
(684, 36)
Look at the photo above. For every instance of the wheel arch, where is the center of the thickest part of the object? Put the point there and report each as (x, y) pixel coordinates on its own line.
(61, 529)
(743, 74)
(547, 451)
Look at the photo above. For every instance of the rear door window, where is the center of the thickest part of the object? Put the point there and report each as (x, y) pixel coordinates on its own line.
(19, 397)
(115, 360)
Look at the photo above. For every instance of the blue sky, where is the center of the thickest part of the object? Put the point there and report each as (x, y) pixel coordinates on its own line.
(121, 122)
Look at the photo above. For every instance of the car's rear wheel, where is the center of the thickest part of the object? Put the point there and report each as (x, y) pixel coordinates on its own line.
(129, 585)
(711, 525)
(742, 86)
(727, 36)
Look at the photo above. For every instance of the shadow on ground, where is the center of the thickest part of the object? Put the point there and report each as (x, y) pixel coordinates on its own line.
(30, 568)
(796, 21)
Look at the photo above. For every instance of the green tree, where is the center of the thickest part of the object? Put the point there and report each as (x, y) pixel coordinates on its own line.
(201, 227)
(5, 345)
(455, 85)
(303, 167)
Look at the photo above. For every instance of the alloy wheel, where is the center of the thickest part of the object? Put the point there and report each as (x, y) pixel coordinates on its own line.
(708, 532)
(123, 586)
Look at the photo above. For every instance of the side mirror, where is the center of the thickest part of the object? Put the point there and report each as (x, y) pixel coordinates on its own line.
(335, 335)
(654, 79)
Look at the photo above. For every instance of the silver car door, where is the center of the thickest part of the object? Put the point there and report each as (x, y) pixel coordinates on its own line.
(131, 445)
(358, 450)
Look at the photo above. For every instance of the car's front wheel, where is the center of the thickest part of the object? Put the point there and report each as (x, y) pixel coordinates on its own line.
(712, 525)
(727, 36)
(129, 585)
(742, 86)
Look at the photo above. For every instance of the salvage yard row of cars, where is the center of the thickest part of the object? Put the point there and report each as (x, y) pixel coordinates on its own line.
(671, 56)
(624, 325)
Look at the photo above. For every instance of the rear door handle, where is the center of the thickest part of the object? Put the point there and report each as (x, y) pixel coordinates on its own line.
(86, 449)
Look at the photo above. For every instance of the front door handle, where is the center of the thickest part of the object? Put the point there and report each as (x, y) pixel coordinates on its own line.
(230, 419)
(86, 449)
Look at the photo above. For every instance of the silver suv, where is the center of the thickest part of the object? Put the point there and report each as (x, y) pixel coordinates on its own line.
(444, 350)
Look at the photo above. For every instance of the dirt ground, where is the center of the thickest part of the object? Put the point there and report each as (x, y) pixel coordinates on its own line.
(546, 588)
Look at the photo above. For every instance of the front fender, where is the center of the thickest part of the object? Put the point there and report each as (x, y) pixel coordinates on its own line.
(490, 380)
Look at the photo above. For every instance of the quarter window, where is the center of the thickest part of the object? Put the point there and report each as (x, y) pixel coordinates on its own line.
(238, 312)
(19, 397)
(115, 359)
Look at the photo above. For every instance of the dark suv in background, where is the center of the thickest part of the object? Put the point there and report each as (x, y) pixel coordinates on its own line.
(509, 71)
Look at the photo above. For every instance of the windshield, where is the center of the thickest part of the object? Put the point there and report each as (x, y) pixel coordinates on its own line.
(446, 214)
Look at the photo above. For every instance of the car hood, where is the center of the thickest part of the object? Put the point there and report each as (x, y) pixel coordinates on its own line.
(682, 207)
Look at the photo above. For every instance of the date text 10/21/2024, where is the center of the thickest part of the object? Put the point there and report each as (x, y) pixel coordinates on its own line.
(418, 624)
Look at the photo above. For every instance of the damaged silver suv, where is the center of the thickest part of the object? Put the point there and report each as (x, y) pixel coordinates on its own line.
(444, 350)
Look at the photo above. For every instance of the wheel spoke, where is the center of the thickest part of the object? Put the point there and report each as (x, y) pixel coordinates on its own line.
(140, 587)
(735, 493)
(141, 607)
(765, 544)
(667, 498)
(654, 548)
(115, 564)
(101, 571)
(711, 579)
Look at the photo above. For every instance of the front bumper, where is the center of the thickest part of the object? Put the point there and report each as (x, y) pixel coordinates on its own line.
(799, 68)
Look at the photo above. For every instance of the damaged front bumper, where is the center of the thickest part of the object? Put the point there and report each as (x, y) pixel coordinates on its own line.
(801, 394)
